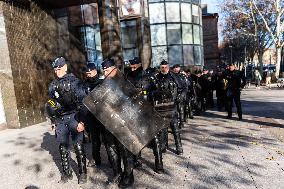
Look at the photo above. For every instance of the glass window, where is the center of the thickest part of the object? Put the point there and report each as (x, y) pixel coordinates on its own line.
(187, 34)
(202, 56)
(195, 14)
(185, 0)
(157, 13)
(172, 12)
(200, 16)
(88, 39)
(201, 35)
(173, 34)
(158, 54)
(129, 53)
(188, 57)
(175, 55)
(186, 12)
(197, 55)
(196, 34)
(158, 34)
(98, 37)
(129, 34)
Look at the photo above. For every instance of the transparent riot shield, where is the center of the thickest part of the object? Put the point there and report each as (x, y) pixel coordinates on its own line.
(123, 111)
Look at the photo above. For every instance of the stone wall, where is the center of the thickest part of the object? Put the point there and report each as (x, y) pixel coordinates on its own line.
(34, 38)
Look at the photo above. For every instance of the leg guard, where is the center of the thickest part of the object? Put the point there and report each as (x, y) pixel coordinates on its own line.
(112, 150)
(127, 178)
(64, 153)
(177, 137)
(158, 155)
(81, 159)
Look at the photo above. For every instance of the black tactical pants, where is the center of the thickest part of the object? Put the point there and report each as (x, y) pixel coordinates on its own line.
(221, 99)
(234, 96)
(176, 132)
(94, 128)
(116, 151)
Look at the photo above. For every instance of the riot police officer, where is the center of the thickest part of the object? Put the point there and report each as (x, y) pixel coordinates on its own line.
(182, 89)
(236, 82)
(209, 87)
(140, 79)
(190, 96)
(164, 95)
(200, 89)
(93, 125)
(114, 148)
(68, 92)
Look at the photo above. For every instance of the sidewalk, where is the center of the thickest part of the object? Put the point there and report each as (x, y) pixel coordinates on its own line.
(218, 153)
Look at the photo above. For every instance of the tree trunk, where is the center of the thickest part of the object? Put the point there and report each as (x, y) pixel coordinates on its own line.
(260, 58)
(278, 61)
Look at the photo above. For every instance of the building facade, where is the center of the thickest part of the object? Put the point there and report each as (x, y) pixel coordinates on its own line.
(33, 34)
(210, 39)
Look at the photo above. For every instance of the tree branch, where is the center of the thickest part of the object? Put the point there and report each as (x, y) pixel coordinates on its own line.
(265, 22)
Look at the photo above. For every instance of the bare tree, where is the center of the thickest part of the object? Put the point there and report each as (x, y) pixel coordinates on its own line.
(242, 21)
(274, 25)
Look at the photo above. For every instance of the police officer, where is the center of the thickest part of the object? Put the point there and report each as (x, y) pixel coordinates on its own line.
(220, 86)
(209, 87)
(181, 81)
(93, 125)
(114, 148)
(135, 74)
(164, 96)
(236, 82)
(68, 92)
(189, 96)
(139, 79)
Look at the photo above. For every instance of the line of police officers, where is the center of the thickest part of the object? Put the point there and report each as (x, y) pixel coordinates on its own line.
(174, 94)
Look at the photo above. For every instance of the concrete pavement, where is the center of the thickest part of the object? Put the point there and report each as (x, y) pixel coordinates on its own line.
(218, 153)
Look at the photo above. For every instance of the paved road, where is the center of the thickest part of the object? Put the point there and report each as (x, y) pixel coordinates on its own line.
(219, 153)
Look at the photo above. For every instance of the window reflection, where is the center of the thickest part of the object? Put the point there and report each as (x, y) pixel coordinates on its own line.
(187, 34)
(195, 14)
(197, 55)
(158, 34)
(172, 12)
(158, 54)
(129, 34)
(196, 34)
(175, 55)
(186, 12)
(130, 53)
(173, 34)
(157, 13)
(188, 57)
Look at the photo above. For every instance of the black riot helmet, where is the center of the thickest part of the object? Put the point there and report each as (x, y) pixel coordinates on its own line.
(52, 109)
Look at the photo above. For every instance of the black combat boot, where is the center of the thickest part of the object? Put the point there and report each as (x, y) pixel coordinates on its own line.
(137, 161)
(177, 137)
(81, 159)
(158, 156)
(190, 113)
(67, 173)
(163, 140)
(127, 179)
(96, 160)
(115, 162)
